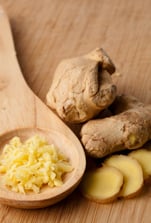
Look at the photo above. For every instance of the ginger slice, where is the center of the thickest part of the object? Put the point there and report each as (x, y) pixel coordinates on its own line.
(102, 185)
(132, 173)
(143, 156)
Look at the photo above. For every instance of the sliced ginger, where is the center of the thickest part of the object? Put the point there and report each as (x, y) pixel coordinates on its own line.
(102, 185)
(143, 156)
(132, 173)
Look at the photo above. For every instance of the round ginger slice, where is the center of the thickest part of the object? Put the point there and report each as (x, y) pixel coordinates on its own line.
(102, 185)
(143, 156)
(132, 173)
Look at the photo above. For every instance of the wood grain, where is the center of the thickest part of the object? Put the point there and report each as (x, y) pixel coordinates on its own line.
(45, 31)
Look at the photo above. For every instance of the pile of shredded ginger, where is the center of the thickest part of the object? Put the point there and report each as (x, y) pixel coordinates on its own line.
(28, 166)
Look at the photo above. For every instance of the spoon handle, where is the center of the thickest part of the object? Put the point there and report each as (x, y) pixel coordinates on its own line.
(16, 99)
(9, 68)
(19, 106)
(7, 44)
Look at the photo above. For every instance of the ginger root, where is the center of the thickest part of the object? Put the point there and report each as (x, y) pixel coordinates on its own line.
(123, 103)
(102, 185)
(132, 173)
(143, 156)
(82, 87)
(130, 129)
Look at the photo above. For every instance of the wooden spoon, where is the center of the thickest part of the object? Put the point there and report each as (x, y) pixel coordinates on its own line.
(23, 114)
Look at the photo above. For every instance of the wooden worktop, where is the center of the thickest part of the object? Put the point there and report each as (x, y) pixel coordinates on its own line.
(45, 31)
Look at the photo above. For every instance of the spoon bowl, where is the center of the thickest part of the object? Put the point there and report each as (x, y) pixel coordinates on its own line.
(24, 115)
(48, 195)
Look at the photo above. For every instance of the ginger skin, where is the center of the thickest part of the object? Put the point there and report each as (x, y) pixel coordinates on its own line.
(82, 87)
(123, 103)
(129, 129)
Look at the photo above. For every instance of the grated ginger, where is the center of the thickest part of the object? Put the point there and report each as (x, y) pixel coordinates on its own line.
(30, 165)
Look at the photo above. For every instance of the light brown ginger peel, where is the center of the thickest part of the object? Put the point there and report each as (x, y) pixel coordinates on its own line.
(82, 87)
(129, 128)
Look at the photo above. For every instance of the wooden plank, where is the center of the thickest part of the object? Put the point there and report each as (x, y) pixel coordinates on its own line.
(49, 30)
